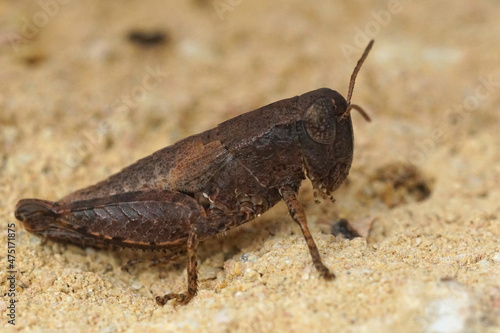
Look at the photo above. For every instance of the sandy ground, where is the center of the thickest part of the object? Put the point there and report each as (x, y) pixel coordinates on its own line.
(80, 100)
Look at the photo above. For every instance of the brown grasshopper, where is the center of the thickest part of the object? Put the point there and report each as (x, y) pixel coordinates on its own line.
(211, 182)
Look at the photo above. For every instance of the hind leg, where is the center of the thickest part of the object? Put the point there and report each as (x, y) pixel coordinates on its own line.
(192, 272)
(147, 219)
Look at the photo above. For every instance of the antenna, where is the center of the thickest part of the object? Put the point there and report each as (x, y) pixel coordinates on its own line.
(356, 70)
(351, 86)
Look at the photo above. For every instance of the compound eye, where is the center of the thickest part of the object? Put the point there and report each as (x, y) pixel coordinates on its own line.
(319, 121)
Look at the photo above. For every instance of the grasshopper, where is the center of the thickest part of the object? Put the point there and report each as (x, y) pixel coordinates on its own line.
(211, 182)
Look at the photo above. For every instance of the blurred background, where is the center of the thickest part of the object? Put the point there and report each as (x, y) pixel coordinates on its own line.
(88, 87)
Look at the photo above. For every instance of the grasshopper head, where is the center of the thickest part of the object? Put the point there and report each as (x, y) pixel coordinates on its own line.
(326, 135)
